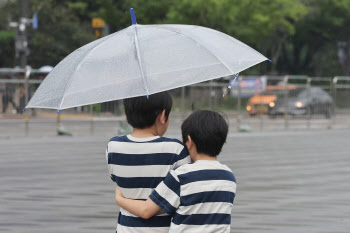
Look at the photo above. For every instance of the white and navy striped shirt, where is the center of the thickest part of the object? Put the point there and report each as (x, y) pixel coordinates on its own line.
(199, 195)
(138, 165)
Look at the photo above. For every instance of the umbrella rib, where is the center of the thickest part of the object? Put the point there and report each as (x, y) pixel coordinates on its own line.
(78, 66)
(139, 60)
(211, 52)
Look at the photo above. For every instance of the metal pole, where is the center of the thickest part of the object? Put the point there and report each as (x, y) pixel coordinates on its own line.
(239, 104)
(330, 114)
(191, 98)
(285, 80)
(27, 125)
(308, 83)
(214, 98)
(23, 33)
(210, 98)
(91, 120)
(335, 81)
(260, 114)
(182, 100)
(26, 83)
(58, 122)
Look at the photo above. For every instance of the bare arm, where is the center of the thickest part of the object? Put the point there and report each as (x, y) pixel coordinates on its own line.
(143, 209)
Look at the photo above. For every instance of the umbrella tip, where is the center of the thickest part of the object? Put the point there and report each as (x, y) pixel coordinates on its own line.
(133, 18)
(58, 111)
(24, 109)
(147, 96)
(269, 60)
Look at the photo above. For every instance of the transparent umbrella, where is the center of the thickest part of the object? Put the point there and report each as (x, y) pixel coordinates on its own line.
(142, 60)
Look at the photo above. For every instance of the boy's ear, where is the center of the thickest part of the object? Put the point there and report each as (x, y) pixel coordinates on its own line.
(189, 142)
(162, 117)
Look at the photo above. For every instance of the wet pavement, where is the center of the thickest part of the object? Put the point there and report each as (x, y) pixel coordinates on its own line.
(294, 181)
(83, 124)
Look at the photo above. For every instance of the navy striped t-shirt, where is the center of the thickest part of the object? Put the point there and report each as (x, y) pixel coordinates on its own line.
(199, 195)
(138, 165)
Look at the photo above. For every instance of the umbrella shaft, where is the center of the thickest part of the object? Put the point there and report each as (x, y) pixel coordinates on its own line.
(139, 61)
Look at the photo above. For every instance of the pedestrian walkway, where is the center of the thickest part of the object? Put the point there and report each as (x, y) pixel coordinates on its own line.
(287, 182)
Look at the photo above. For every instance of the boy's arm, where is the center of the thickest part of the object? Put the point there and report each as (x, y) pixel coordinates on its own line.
(166, 196)
(184, 157)
(143, 209)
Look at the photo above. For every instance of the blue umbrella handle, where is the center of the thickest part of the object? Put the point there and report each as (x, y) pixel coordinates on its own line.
(230, 86)
(133, 18)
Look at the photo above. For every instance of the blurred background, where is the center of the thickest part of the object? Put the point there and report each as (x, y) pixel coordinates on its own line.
(307, 85)
(291, 168)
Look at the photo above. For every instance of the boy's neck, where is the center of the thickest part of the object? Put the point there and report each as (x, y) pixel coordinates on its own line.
(200, 156)
(144, 133)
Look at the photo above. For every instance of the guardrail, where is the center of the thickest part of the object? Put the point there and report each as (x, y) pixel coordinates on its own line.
(206, 95)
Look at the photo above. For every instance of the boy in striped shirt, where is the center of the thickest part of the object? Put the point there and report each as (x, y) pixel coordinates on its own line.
(140, 161)
(198, 195)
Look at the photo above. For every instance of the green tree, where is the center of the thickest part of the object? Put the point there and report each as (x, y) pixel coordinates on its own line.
(7, 35)
(300, 36)
(262, 24)
(60, 32)
(313, 48)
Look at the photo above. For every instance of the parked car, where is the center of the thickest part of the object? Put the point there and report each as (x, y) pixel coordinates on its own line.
(303, 101)
(259, 103)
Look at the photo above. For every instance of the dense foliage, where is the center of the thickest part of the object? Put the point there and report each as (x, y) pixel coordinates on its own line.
(300, 36)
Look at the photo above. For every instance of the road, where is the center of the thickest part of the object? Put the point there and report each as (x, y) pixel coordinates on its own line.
(293, 181)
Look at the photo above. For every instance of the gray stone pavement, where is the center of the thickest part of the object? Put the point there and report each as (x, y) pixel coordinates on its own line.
(80, 124)
(294, 181)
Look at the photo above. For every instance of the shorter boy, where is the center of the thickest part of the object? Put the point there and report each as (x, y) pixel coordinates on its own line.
(198, 195)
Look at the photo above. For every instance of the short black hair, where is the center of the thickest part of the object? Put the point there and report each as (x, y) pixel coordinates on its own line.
(142, 112)
(208, 130)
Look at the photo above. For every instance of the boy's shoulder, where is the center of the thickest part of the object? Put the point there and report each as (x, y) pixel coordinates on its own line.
(193, 167)
(157, 144)
(225, 167)
(122, 138)
(185, 168)
(174, 145)
(166, 139)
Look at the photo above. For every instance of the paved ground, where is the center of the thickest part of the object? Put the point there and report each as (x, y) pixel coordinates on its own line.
(287, 182)
(104, 126)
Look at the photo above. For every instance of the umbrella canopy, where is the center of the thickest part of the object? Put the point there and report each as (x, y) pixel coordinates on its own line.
(142, 60)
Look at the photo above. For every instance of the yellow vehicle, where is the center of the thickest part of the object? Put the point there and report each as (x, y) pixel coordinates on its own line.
(259, 103)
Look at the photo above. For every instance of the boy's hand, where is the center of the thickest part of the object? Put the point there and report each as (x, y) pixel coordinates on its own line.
(118, 195)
